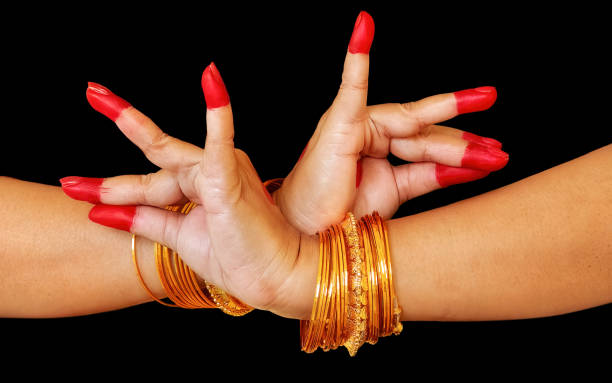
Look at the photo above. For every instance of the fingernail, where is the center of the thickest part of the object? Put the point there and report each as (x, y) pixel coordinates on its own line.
(481, 140)
(82, 188)
(484, 157)
(214, 89)
(118, 217)
(475, 100)
(449, 175)
(358, 173)
(303, 151)
(105, 101)
(363, 34)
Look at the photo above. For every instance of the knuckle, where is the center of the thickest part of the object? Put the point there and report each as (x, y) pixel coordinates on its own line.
(426, 131)
(157, 144)
(411, 110)
(353, 84)
(145, 183)
(426, 151)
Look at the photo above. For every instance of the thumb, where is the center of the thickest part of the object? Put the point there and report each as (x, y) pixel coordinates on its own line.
(219, 164)
(353, 93)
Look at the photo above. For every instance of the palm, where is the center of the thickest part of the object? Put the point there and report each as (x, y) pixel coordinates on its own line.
(210, 241)
(378, 190)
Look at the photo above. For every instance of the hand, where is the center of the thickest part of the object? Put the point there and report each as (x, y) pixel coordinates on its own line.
(344, 166)
(220, 239)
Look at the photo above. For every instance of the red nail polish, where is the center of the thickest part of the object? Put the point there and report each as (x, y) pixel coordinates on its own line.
(449, 175)
(359, 173)
(105, 101)
(118, 217)
(483, 157)
(82, 188)
(475, 100)
(214, 88)
(363, 34)
(481, 140)
(303, 151)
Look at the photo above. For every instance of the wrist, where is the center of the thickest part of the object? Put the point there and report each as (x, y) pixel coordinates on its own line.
(294, 299)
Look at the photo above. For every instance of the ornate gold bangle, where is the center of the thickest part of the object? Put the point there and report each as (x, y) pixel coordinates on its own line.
(356, 321)
(354, 298)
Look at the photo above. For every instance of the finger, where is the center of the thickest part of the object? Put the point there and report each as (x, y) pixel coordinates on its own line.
(158, 225)
(402, 120)
(154, 189)
(161, 149)
(352, 96)
(434, 144)
(220, 167)
(416, 179)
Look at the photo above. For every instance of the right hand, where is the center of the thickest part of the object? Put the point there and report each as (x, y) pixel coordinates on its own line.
(236, 238)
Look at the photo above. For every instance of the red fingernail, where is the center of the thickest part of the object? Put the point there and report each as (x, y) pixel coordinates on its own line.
(484, 157)
(359, 172)
(105, 101)
(214, 88)
(82, 188)
(303, 151)
(118, 217)
(449, 175)
(475, 100)
(481, 140)
(363, 34)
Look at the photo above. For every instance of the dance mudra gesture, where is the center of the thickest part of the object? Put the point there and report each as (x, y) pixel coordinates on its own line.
(477, 259)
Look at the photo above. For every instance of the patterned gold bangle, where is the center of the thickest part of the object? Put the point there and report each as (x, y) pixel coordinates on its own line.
(228, 304)
(356, 320)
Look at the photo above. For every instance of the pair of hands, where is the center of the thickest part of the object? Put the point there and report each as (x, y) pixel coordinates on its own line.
(251, 244)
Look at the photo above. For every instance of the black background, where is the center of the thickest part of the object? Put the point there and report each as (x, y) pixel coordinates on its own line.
(282, 68)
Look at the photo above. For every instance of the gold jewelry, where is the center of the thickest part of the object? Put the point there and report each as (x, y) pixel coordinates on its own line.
(181, 283)
(354, 299)
(142, 282)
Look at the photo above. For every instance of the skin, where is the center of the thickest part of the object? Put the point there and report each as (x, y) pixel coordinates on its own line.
(484, 258)
(275, 274)
(477, 259)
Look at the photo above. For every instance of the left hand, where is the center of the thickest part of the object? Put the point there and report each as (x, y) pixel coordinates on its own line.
(345, 167)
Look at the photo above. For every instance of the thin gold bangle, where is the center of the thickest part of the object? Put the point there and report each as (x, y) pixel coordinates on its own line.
(142, 282)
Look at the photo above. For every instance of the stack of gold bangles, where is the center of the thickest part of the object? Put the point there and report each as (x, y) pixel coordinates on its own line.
(354, 299)
(181, 284)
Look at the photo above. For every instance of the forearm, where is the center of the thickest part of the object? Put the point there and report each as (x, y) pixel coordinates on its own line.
(55, 262)
(538, 247)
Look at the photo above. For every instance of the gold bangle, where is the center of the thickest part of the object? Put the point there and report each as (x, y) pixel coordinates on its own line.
(228, 304)
(180, 282)
(358, 287)
(273, 184)
(354, 298)
(140, 279)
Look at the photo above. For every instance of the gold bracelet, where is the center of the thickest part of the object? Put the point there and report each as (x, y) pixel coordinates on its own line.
(142, 282)
(354, 298)
(180, 282)
(358, 287)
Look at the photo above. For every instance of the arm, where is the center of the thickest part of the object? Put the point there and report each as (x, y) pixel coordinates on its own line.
(538, 247)
(56, 262)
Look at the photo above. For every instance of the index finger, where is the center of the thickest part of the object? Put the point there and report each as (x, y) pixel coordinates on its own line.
(403, 120)
(161, 149)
